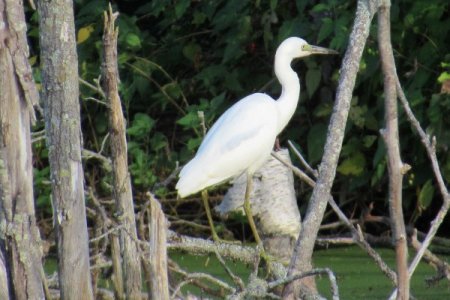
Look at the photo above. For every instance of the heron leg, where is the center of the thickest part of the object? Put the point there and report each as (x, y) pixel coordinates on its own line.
(209, 216)
(248, 212)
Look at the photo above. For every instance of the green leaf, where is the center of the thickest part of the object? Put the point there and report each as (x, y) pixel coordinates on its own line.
(312, 81)
(172, 89)
(426, 194)
(443, 77)
(133, 41)
(368, 140)
(325, 30)
(189, 120)
(316, 141)
(324, 109)
(141, 125)
(180, 7)
(198, 18)
(233, 50)
(273, 4)
(353, 165)
(158, 141)
(319, 7)
(194, 143)
(191, 51)
(357, 115)
(379, 173)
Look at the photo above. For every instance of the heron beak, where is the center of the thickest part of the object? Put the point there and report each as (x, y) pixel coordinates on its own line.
(319, 50)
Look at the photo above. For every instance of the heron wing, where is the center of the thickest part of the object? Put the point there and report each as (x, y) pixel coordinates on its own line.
(241, 139)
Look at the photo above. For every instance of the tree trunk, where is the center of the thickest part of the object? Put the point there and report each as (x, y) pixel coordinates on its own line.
(62, 125)
(302, 259)
(273, 202)
(131, 262)
(21, 272)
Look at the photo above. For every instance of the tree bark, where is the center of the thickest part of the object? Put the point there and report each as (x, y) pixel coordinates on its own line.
(21, 271)
(396, 168)
(62, 124)
(131, 264)
(302, 258)
(158, 252)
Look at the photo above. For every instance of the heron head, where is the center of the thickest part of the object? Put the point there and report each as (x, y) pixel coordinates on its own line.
(295, 47)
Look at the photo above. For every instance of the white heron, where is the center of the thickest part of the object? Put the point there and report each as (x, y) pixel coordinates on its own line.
(242, 138)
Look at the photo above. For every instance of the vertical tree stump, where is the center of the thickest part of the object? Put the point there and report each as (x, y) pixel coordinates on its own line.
(158, 252)
(131, 262)
(273, 203)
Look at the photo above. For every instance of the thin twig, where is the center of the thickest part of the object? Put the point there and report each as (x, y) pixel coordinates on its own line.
(230, 273)
(106, 161)
(106, 234)
(160, 68)
(441, 266)
(97, 101)
(313, 272)
(195, 276)
(430, 146)
(302, 175)
(172, 176)
(163, 91)
(96, 89)
(302, 160)
(356, 232)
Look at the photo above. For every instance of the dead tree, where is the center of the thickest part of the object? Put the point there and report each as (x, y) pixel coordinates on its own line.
(60, 92)
(21, 272)
(131, 263)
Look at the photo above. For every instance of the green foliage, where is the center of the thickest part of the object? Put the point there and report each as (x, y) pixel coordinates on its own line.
(180, 57)
(426, 195)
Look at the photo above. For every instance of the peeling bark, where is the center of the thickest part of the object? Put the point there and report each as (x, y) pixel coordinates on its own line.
(20, 243)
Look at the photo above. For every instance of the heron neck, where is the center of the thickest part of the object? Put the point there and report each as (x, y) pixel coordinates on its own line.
(290, 84)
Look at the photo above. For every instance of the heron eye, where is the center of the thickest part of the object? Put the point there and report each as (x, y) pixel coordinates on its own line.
(306, 47)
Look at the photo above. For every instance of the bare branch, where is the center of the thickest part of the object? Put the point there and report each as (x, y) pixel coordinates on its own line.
(313, 272)
(96, 89)
(430, 146)
(199, 246)
(391, 138)
(358, 236)
(301, 259)
(302, 160)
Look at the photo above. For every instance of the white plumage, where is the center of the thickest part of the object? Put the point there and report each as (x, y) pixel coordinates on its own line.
(242, 138)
